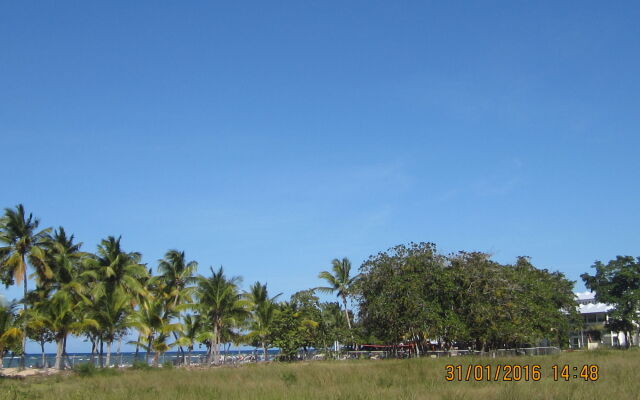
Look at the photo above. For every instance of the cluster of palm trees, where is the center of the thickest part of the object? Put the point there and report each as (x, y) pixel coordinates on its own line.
(105, 296)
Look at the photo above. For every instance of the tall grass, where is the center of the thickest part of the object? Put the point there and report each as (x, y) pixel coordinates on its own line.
(367, 379)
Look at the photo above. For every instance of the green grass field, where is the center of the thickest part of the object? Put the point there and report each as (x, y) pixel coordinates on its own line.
(366, 379)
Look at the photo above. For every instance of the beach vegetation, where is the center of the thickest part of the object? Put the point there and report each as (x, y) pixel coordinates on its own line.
(410, 295)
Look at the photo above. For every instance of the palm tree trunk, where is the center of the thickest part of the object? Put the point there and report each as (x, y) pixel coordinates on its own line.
(65, 356)
(189, 355)
(156, 357)
(213, 357)
(24, 324)
(135, 358)
(146, 357)
(264, 350)
(119, 353)
(346, 312)
(59, 351)
(44, 357)
(94, 350)
(217, 349)
(175, 335)
(101, 354)
(180, 349)
(108, 363)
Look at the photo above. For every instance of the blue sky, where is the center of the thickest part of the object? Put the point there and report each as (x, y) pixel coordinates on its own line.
(271, 137)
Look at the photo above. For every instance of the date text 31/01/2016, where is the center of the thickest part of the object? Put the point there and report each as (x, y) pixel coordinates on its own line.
(516, 372)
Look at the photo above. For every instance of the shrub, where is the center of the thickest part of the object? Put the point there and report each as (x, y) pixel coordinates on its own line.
(85, 369)
(89, 369)
(137, 364)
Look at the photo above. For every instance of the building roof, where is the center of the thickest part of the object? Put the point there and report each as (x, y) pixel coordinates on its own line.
(587, 303)
(594, 308)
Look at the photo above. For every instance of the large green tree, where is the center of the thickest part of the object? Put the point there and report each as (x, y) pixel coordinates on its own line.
(413, 293)
(618, 283)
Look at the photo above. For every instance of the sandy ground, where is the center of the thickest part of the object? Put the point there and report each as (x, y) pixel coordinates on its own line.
(16, 373)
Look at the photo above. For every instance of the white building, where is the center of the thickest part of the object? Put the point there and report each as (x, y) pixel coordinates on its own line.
(594, 334)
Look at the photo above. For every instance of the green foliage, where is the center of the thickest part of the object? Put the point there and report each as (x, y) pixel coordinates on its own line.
(85, 369)
(413, 293)
(89, 370)
(140, 365)
(10, 332)
(287, 327)
(340, 281)
(222, 306)
(618, 283)
(408, 294)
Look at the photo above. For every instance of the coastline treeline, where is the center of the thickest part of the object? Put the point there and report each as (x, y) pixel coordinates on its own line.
(409, 294)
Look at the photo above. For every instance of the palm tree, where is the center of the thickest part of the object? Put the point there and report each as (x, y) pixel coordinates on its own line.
(36, 319)
(177, 279)
(65, 259)
(21, 243)
(189, 335)
(10, 333)
(153, 320)
(111, 272)
(177, 275)
(339, 281)
(114, 269)
(221, 303)
(111, 314)
(263, 310)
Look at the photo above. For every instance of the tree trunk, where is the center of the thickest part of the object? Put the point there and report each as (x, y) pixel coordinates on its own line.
(65, 356)
(175, 335)
(44, 356)
(101, 354)
(137, 347)
(119, 352)
(146, 357)
(346, 312)
(264, 350)
(94, 350)
(59, 352)
(180, 349)
(189, 356)
(24, 323)
(156, 357)
(215, 347)
(108, 363)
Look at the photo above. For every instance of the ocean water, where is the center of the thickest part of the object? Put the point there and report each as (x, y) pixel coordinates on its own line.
(127, 358)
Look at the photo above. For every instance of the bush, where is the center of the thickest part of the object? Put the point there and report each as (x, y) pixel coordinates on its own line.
(138, 364)
(167, 365)
(89, 369)
(85, 369)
